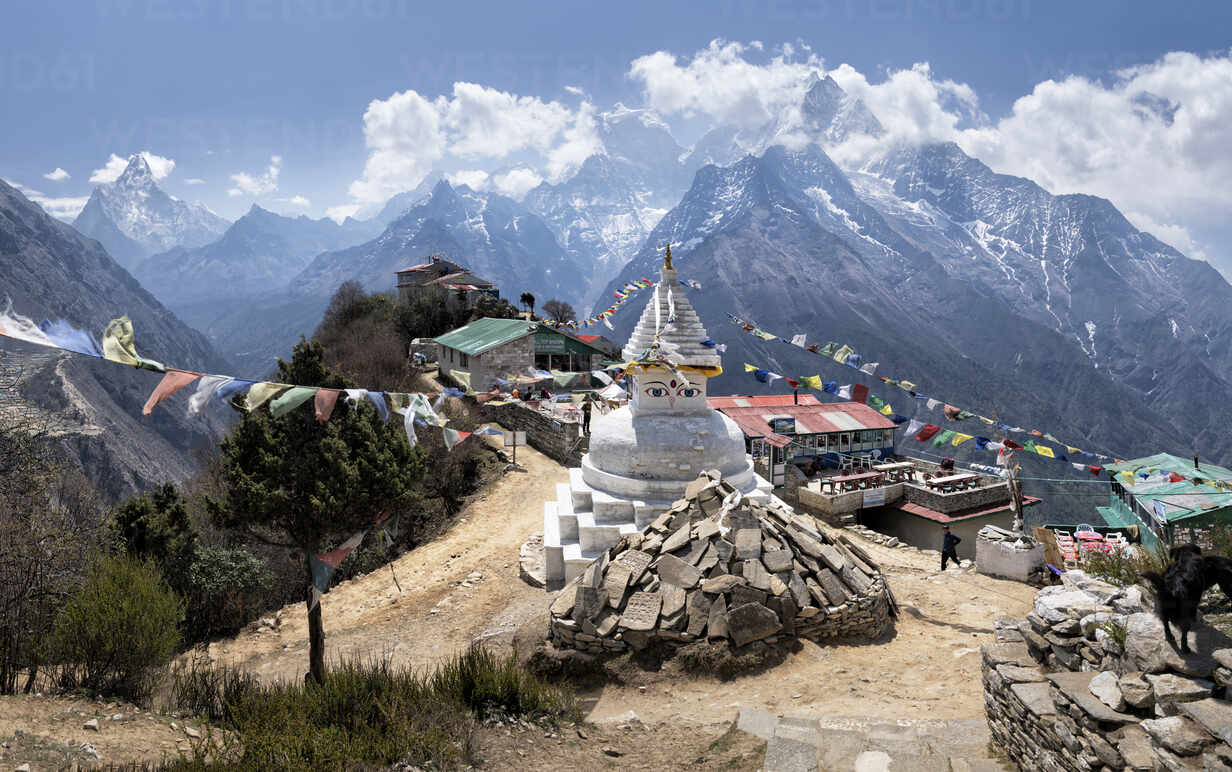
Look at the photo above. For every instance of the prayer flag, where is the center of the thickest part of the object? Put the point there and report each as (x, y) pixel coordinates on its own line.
(830, 387)
(1044, 450)
(1095, 470)
(932, 404)
(799, 340)
(859, 393)
(261, 393)
(291, 399)
(828, 350)
(453, 437)
(844, 392)
(887, 410)
(760, 333)
(927, 432)
(118, 346)
(943, 438)
(172, 381)
(206, 388)
(960, 438)
(869, 367)
(1175, 478)
(875, 402)
(232, 387)
(377, 398)
(914, 427)
(748, 368)
(811, 382)
(906, 385)
(843, 352)
(323, 405)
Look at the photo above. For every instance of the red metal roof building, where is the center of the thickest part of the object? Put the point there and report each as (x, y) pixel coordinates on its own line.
(458, 284)
(781, 427)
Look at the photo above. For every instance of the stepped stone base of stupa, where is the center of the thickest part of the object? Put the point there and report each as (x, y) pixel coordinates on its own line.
(582, 523)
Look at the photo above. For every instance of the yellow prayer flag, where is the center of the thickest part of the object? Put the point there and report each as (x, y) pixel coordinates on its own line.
(1072, 449)
(812, 382)
(906, 385)
(887, 410)
(118, 342)
(988, 421)
(461, 377)
(960, 438)
(843, 352)
(748, 368)
(1044, 450)
(261, 393)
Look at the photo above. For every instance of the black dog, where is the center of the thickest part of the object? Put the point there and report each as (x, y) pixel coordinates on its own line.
(1179, 590)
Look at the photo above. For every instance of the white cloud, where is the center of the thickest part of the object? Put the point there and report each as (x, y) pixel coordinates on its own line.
(194, 181)
(340, 213)
(160, 167)
(297, 200)
(57, 175)
(407, 134)
(62, 208)
(516, 183)
(1153, 140)
(722, 83)
(257, 185)
(575, 90)
(475, 179)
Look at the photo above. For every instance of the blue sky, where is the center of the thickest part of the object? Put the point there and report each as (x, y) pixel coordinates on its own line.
(221, 88)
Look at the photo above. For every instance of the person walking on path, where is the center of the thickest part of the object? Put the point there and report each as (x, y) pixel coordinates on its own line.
(949, 547)
(586, 417)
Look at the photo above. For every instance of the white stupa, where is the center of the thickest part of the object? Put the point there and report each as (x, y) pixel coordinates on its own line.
(644, 455)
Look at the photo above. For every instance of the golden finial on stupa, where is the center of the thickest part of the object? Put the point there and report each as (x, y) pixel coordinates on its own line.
(667, 258)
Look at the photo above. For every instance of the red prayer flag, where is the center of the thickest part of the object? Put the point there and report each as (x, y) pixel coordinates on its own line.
(1174, 477)
(1095, 470)
(173, 381)
(859, 393)
(1012, 445)
(324, 404)
(927, 432)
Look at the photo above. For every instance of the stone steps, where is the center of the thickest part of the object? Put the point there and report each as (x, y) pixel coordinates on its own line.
(814, 744)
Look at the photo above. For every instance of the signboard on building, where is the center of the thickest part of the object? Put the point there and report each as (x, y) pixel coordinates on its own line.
(785, 425)
(874, 497)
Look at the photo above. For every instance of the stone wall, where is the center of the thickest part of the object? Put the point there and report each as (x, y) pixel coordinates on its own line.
(1087, 682)
(494, 363)
(972, 498)
(558, 440)
(1000, 552)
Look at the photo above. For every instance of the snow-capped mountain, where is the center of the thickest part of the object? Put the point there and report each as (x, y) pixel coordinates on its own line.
(260, 252)
(968, 283)
(49, 270)
(492, 235)
(134, 218)
(603, 213)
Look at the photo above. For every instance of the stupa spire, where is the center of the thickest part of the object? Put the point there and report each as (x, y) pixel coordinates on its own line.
(669, 319)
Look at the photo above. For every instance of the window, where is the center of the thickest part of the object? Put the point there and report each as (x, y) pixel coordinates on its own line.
(463, 360)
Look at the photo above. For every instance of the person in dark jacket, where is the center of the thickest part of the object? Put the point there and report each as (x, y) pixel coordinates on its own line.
(586, 417)
(949, 547)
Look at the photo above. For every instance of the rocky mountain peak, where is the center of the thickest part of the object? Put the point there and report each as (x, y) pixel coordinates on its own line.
(137, 174)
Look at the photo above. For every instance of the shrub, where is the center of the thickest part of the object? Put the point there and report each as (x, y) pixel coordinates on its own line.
(226, 590)
(360, 714)
(1123, 568)
(118, 630)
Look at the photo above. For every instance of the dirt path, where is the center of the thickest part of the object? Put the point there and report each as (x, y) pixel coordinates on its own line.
(460, 588)
(929, 666)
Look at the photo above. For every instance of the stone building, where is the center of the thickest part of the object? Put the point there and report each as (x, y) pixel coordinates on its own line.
(479, 353)
(452, 283)
(643, 456)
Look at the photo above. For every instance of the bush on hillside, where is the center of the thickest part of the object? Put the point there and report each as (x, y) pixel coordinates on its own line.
(117, 632)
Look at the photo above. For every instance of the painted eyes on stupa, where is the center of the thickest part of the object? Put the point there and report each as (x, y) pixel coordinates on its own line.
(689, 392)
(656, 391)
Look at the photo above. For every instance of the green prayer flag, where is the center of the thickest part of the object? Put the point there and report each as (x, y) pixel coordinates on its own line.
(943, 438)
(291, 399)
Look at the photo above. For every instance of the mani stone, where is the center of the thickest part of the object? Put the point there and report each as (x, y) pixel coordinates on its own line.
(707, 528)
(748, 543)
(755, 574)
(777, 561)
(721, 584)
(699, 612)
(636, 561)
(751, 622)
(589, 602)
(832, 558)
(708, 562)
(716, 628)
(724, 550)
(741, 520)
(677, 540)
(673, 570)
(642, 611)
(834, 588)
(673, 600)
(742, 594)
(799, 590)
(615, 583)
(564, 601)
(696, 550)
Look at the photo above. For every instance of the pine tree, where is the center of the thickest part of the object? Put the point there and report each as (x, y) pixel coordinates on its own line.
(297, 483)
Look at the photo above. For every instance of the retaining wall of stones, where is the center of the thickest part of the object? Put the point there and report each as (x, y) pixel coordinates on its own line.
(1088, 682)
(558, 440)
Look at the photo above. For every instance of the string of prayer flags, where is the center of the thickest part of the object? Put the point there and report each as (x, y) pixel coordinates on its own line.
(172, 381)
(927, 432)
(959, 438)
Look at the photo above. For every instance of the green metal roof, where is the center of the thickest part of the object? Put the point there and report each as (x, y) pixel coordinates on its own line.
(1182, 500)
(483, 334)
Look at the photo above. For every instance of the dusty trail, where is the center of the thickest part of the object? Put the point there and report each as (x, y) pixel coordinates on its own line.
(929, 667)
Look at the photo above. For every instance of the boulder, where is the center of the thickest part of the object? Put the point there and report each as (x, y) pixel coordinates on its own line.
(1171, 689)
(1136, 690)
(1178, 734)
(1105, 687)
